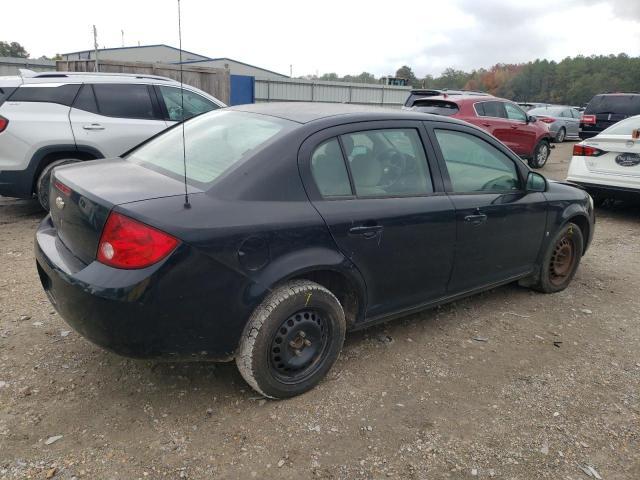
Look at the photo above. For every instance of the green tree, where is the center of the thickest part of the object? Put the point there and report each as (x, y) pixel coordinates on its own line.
(406, 73)
(13, 49)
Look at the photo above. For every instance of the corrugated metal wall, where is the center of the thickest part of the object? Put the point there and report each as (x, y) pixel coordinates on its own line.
(294, 90)
(11, 65)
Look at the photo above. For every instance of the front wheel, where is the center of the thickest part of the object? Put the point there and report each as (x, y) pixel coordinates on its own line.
(561, 259)
(44, 180)
(291, 340)
(540, 155)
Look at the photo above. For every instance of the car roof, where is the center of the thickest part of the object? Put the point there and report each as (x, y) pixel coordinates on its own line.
(305, 112)
(94, 77)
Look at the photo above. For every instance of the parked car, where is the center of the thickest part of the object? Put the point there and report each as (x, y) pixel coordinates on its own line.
(502, 118)
(563, 121)
(605, 109)
(419, 93)
(608, 165)
(52, 118)
(303, 221)
(526, 106)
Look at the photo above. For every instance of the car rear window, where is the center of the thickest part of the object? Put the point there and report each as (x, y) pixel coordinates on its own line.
(623, 127)
(439, 107)
(620, 104)
(215, 142)
(422, 94)
(46, 92)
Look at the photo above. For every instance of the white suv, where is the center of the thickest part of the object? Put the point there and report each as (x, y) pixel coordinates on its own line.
(51, 118)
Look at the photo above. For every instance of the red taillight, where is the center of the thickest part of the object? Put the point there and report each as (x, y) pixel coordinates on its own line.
(547, 119)
(588, 119)
(580, 150)
(62, 187)
(3, 123)
(127, 243)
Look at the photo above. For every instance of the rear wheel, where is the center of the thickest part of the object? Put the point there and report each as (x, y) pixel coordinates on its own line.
(540, 155)
(561, 135)
(561, 260)
(44, 180)
(291, 340)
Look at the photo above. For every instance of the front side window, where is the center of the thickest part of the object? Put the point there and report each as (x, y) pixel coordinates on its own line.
(475, 165)
(491, 109)
(387, 162)
(514, 113)
(329, 170)
(215, 142)
(194, 104)
(124, 100)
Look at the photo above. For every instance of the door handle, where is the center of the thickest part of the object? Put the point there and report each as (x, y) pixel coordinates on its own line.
(486, 124)
(93, 126)
(515, 126)
(476, 218)
(367, 231)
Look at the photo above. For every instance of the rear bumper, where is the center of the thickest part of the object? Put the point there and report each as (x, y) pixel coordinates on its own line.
(16, 183)
(161, 311)
(601, 182)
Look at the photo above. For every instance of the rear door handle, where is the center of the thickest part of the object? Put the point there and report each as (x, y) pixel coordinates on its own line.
(486, 124)
(367, 231)
(93, 126)
(476, 219)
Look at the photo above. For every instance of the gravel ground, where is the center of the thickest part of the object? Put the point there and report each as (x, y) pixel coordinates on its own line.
(507, 384)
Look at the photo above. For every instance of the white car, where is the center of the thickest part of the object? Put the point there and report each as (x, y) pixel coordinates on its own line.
(608, 165)
(51, 118)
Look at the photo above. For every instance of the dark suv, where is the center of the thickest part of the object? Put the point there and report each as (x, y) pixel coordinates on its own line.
(606, 109)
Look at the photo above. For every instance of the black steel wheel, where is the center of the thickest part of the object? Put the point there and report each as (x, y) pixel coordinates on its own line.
(291, 340)
(561, 259)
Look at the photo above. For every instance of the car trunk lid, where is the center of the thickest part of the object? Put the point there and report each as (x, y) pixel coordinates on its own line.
(621, 157)
(82, 195)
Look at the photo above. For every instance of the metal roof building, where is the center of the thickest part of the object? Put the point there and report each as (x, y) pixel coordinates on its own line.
(11, 65)
(162, 53)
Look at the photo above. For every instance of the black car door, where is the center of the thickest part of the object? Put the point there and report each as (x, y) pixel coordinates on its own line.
(385, 207)
(500, 226)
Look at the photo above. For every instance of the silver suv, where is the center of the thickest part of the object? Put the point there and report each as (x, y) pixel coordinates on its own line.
(51, 118)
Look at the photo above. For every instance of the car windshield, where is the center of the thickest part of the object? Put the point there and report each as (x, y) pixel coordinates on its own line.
(215, 142)
(551, 111)
(624, 127)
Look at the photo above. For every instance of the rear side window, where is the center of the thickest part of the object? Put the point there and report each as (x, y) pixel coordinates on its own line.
(620, 104)
(438, 107)
(124, 101)
(387, 163)
(329, 170)
(5, 92)
(86, 100)
(47, 93)
(491, 109)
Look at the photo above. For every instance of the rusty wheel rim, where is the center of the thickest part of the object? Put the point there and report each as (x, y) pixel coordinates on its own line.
(562, 261)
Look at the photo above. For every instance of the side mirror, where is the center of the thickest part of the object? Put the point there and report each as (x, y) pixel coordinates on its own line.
(536, 182)
(531, 119)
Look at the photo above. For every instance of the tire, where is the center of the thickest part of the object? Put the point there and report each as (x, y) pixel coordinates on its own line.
(561, 135)
(557, 271)
(44, 180)
(292, 340)
(540, 155)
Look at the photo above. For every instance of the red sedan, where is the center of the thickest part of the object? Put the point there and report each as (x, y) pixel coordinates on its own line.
(503, 119)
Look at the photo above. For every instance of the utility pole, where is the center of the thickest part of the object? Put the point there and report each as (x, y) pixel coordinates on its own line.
(122, 32)
(95, 46)
(290, 71)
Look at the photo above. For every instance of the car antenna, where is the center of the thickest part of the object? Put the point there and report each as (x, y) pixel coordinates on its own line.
(184, 145)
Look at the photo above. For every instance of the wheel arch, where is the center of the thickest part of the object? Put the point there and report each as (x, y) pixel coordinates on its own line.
(45, 155)
(328, 268)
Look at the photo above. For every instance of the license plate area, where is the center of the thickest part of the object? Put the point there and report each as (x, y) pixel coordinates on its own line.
(628, 159)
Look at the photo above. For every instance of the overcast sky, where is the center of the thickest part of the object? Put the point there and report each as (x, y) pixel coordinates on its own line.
(342, 36)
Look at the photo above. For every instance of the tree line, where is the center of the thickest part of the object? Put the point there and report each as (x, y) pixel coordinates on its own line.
(572, 81)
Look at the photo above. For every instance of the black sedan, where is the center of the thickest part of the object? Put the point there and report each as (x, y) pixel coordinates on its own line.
(300, 222)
